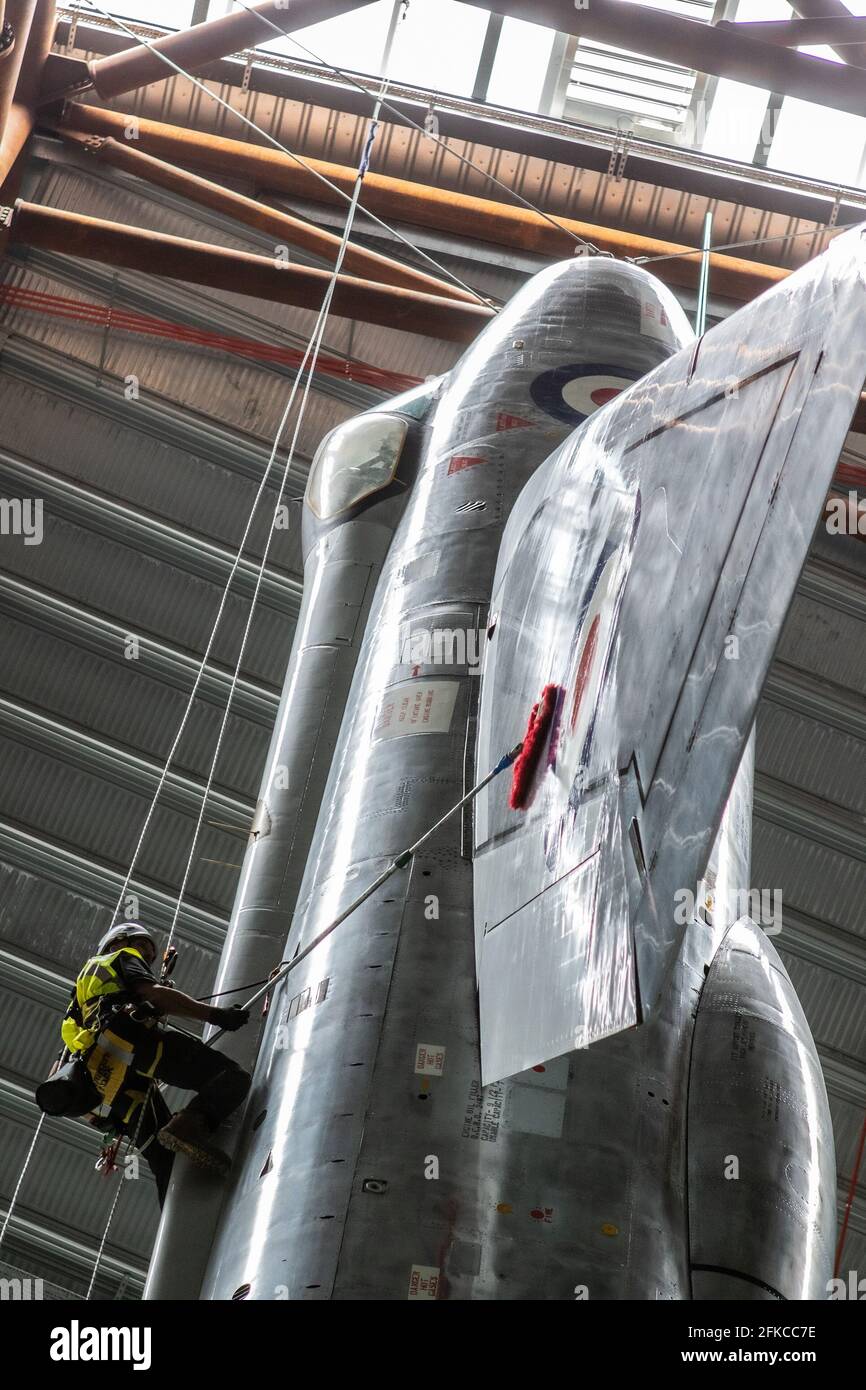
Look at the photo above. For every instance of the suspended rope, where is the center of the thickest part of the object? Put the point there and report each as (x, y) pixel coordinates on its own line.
(738, 245)
(21, 1176)
(313, 347)
(310, 357)
(155, 799)
(405, 119)
(272, 140)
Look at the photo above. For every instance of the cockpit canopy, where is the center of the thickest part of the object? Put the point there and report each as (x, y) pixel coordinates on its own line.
(360, 457)
(355, 460)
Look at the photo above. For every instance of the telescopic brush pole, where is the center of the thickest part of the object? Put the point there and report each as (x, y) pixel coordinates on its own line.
(400, 862)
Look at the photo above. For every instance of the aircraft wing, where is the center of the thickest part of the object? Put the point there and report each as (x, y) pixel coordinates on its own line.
(647, 570)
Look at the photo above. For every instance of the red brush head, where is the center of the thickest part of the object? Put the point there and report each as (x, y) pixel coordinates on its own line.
(526, 764)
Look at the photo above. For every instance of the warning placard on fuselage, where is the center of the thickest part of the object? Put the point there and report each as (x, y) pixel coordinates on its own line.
(416, 707)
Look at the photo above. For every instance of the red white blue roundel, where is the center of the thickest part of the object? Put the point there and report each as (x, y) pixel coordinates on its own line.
(573, 393)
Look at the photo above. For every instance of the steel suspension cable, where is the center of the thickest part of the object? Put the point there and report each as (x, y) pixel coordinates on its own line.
(272, 140)
(437, 140)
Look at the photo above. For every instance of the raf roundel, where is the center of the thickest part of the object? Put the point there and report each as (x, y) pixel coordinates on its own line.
(573, 393)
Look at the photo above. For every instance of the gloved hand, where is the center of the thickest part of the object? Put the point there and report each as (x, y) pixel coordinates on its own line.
(230, 1019)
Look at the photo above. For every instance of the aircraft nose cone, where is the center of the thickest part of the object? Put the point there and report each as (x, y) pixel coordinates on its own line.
(600, 291)
(568, 341)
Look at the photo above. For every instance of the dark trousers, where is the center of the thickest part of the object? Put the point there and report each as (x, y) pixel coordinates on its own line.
(185, 1062)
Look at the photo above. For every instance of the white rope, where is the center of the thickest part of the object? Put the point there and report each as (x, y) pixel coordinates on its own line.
(313, 347)
(98, 1261)
(312, 352)
(407, 120)
(272, 140)
(21, 1176)
(311, 357)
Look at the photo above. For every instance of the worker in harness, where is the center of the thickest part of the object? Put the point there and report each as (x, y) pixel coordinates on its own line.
(113, 1024)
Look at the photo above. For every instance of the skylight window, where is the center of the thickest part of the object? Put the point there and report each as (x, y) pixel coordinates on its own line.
(437, 46)
(646, 89)
(162, 14)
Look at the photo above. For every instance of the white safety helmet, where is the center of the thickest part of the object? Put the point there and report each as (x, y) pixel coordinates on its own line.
(132, 933)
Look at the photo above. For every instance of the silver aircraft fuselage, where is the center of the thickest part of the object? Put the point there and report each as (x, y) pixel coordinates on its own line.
(580, 1144)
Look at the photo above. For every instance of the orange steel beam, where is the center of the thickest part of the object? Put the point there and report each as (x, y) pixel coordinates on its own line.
(19, 128)
(370, 265)
(240, 272)
(399, 200)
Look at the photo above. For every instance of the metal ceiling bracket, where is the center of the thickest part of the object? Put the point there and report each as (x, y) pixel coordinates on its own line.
(618, 157)
(834, 212)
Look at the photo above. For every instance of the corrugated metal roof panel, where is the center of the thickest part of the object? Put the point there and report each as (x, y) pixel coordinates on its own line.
(847, 1124)
(238, 394)
(147, 474)
(813, 879)
(103, 821)
(120, 701)
(803, 752)
(150, 597)
(825, 640)
(835, 1007)
(42, 918)
(62, 1191)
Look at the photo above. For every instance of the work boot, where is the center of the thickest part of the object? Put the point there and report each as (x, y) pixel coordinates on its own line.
(187, 1134)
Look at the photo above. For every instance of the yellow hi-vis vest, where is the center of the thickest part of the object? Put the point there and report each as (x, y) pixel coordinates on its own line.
(97, 980)
(109, 1055)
